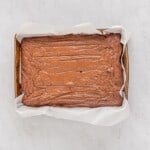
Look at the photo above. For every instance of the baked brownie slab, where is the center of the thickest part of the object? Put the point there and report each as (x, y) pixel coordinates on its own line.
(72, 70)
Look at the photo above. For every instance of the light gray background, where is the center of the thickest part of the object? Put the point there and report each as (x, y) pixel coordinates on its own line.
(51, 134)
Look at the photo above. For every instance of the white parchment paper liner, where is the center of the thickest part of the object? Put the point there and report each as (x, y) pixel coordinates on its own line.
(105, 116)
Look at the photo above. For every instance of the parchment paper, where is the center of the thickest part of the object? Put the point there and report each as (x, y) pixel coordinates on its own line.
(104, 116)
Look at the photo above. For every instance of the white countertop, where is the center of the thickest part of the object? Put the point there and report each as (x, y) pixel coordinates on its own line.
(51, 134)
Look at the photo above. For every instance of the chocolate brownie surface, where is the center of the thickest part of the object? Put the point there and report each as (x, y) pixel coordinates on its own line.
(72, 70)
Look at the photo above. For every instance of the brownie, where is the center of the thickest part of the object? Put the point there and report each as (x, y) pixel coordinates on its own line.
(74, 70)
